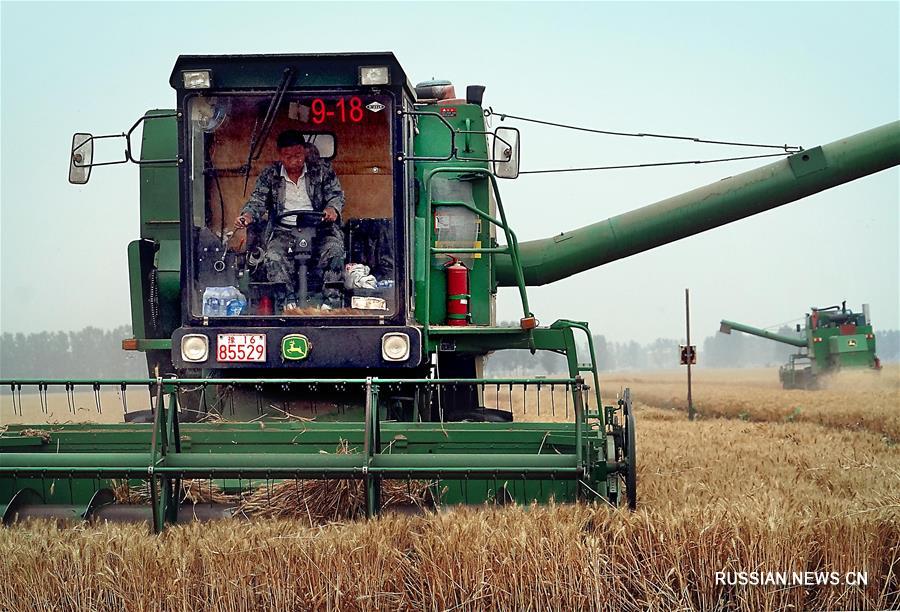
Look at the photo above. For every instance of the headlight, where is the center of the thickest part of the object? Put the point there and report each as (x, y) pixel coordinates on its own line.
(194, 347)
(373, 75)
(196, 79)
(395, 346)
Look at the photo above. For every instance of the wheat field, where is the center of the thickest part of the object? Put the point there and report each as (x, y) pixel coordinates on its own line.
(765, 480)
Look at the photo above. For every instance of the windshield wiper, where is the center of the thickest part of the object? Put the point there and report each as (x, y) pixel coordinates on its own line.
(259, 137)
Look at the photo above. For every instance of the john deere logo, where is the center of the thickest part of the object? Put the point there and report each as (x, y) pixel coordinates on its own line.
(851, 343)
(295, 347)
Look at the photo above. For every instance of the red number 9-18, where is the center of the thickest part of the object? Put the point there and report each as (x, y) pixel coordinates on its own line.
(344, 110)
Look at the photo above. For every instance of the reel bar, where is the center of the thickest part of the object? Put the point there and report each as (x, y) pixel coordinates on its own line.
(278, 381)
(283, 465)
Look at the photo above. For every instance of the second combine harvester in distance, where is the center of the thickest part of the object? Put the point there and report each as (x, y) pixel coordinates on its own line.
(373, 321)
(833, 338)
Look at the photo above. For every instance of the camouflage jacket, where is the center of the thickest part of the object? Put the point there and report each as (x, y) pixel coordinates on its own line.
(322, 185)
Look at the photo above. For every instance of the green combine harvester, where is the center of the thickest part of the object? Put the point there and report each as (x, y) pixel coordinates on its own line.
(833, 338)
(256, 379)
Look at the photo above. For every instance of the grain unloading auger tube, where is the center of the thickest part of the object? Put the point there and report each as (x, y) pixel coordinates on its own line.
(730, 199)
(217, 467)
(727, 326)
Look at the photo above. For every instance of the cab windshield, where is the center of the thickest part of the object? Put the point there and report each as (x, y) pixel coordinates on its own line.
(292, 206)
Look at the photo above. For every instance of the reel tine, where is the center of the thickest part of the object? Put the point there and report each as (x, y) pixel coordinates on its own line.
(12, 397)
(124, 388)
(567, 400)
(539, 399)
(553, 399)
(70, 396)
(42, 395)
(97, 397)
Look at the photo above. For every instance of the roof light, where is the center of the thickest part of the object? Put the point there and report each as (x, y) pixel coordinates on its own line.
(196, 79)
(374, 75)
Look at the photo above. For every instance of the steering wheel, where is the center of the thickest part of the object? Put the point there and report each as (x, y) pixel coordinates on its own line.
(304, 218)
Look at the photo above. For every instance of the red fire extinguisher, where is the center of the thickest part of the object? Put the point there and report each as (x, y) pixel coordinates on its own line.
(457, 293)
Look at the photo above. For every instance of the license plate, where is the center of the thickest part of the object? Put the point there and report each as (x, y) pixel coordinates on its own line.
(241, 347)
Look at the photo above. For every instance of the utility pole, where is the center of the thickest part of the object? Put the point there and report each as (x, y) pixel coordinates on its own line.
(691, 352)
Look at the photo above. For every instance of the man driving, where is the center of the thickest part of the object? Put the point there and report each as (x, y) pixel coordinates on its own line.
(299, 181)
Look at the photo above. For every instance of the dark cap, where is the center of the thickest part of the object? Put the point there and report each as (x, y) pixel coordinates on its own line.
(290, 138)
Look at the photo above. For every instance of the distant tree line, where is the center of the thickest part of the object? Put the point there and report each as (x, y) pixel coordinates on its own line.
(89, 353)
(736, 350)
(97, 353)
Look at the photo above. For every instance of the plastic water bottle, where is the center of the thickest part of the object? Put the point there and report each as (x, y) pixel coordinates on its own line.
(235, 302)
(223, 302)
(212, 302)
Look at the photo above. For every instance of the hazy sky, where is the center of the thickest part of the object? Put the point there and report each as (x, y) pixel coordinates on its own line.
(807, 74)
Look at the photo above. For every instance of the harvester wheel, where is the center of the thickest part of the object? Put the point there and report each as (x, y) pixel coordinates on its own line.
(630, 452)
(621, 450)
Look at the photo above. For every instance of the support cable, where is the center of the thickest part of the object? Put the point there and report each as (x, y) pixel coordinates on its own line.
(785, 149)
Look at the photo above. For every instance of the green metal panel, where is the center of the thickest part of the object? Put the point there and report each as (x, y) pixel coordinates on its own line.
(160, 224)
(160, 217)
(848, 344)
(140, 262)
(696, 211)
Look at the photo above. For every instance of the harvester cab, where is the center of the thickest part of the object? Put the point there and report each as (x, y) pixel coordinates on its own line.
(258, 255)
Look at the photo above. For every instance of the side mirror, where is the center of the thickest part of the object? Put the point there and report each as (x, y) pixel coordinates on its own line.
(505, 152)
(81, 158)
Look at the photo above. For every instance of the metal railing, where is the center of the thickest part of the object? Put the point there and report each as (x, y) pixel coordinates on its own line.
(512, 243)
